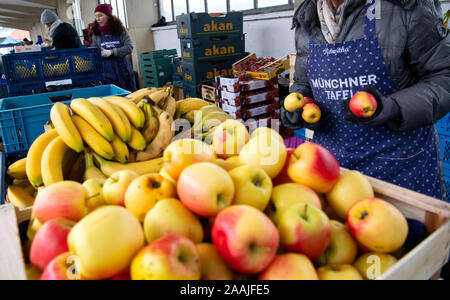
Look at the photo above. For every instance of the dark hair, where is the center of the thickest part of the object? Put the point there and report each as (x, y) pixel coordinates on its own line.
(118, 28)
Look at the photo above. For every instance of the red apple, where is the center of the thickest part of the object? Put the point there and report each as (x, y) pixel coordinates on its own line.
(50, 241)
(305, 229)
(123, 276)
(245, 238)
(290, 266)
(308, 100)
(283, 177)
(314, 166)
(311, 113)
(63, 267)
(363, 105)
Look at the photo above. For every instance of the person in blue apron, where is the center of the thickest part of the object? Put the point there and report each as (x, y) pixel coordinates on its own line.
(109, 34)
(398, 51)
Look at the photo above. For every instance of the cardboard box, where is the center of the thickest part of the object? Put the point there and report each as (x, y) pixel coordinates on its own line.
(234, 85)
(195, 25)
(23, 49)
(209, 93)
(241, 99)
(206, 72)
(213, 48)
(272, 106)
(266, 72)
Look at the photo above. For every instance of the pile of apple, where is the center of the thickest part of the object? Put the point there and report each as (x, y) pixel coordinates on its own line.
(244, 208)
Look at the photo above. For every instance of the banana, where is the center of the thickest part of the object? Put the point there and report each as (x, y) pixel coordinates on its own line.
(19, 197)
(170, 106)
(60, 116)
(34, 157)
(214, 119)
(23, 183)
(151, 127)
(137, 141)
(137, 96)
(94, 117)
(134, 114)
(95, 141)
(141, 168)
(122, 154)
(159, 96)
(207, 137)
(77, 170)
(190, 104)
(209, 109)
(162, 139)
(33, 227)
(18, 169)
(52, 161)
(190, 116)
(116, 116)
(92, 172)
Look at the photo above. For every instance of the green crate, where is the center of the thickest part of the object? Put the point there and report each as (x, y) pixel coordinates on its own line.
(159, 54)
(152, 79)
(195, 25)
(212, 48)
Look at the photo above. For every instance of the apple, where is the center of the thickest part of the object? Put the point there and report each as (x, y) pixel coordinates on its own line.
(50, 241)
(305, 229)
(116, 186)
(311, 113)
(342, 249)
(182, 153)
(363, 105)
(172, 257)
(170, 216)
(205, 189)
(314, 166)
(266, 130)
(283, 177)
(122, 276)
(286, 195)
(62, 200)
(106, 241)
(229, 138)
(349, 189)
(94, 195)
(253, 187)
(212, 265)
(245, 238)
(226, 164)
(63, 267)
(265, 151)
(373, 265)
(166, 175)
(308, 100)
(143, 193)
(293, 102)
(290, 266)
(377, 225)
(339, 272)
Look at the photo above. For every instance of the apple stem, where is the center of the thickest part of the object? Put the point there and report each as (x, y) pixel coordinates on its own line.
(364, 215)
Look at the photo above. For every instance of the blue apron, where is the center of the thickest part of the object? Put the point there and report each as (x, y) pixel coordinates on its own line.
(118, 70)
(336, 72)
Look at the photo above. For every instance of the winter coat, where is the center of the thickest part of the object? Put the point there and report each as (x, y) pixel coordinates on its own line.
(415, 46)
(66, 37)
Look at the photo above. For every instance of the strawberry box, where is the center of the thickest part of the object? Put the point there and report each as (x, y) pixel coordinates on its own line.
(260, 68)
(272, 106)
(254, 97)
(234, 85)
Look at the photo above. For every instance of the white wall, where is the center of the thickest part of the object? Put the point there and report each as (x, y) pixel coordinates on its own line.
(266, 35)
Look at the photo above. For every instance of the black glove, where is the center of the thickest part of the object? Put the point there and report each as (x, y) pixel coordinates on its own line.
(387, 110)
(294, 121)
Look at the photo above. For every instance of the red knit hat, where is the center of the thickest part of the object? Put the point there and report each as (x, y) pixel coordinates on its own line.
(104, 8)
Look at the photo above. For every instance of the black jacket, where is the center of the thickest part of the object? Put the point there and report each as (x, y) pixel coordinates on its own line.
(66, 37)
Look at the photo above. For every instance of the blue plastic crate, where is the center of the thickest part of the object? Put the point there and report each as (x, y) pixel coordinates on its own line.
(447, 188)
(443, 126)
(22, 119)
(301, 134)
(31, 73)
(3, 90)
(445, 150)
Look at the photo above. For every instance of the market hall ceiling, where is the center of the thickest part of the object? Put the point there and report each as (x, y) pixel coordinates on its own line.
(23, 14)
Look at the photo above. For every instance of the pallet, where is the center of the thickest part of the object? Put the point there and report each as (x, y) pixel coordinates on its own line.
(422, 263)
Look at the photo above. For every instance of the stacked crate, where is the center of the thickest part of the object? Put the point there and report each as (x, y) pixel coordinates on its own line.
(177, 78)
(443, 128)
(256, 102)
(157, 68)
(210, 44)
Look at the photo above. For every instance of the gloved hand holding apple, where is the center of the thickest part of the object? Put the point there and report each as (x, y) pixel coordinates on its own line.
(299, 112)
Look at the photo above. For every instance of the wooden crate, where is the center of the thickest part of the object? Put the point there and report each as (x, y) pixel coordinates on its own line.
(422, 263)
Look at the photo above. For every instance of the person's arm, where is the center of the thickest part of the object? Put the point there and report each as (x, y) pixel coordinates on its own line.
(128, 47)
(428, 53)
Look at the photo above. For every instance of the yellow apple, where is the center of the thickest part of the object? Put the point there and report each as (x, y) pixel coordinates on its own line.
(266, 130)
(311, 113)
(339, 272)
(166, 175)
(116, 186)
(286, 195)
(253, 187)
(212, 265)
(377, 225)
(349, 189)
(342, 248)
(293, 102)
(170, 216)
(106, 241)
(94, 195)
(265, 151)
(290, 266)
(372, 265)
(183, 153)
(227, 165)
(229, 138)
(145, 191)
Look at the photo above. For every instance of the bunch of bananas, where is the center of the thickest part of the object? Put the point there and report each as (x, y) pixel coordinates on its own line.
(203, 116)
(56, 70)
(25, 73)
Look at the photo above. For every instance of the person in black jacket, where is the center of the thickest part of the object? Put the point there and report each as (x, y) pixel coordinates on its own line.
(64, 36)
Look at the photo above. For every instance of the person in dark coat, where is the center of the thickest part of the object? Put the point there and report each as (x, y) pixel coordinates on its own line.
(109, 34)
(63, 35)
(396, 50)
